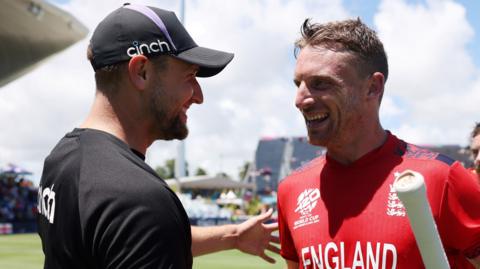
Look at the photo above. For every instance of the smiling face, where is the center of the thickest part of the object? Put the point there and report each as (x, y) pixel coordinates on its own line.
(330, 95)
(475, 149)
(172, 92)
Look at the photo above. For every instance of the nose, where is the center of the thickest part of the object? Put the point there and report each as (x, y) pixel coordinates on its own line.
(303, 98)
(197, 96)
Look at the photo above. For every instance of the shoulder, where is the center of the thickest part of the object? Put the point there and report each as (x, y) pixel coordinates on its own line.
(438, 168)
(414, 152)
(61, 166)
(430, 163)
(464, 183)
(435, 166)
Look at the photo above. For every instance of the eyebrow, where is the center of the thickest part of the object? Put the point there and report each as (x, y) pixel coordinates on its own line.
(326, 79)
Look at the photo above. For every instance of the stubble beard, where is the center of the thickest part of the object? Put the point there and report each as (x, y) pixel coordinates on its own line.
(166, 128)
(338, 131)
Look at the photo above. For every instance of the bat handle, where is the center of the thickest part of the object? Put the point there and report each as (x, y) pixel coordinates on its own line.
(411, 190)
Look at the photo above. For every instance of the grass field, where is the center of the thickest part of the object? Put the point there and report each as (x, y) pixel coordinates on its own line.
(25, 252)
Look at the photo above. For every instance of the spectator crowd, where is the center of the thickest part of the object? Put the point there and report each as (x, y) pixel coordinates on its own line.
(18, 199)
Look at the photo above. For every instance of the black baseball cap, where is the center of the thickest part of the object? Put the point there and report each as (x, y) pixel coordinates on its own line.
(135, 29)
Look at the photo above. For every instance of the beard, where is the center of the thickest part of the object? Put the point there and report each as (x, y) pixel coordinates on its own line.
(165, 127)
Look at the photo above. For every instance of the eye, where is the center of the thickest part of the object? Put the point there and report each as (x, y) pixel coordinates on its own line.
(296, 82)
(319, 84)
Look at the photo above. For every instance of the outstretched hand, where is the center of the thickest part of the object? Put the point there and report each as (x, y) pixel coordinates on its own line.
(254, 236)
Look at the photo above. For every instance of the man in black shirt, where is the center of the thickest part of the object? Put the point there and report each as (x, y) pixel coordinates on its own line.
(100, 205)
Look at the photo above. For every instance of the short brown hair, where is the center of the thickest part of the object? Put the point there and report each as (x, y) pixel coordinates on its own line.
(108, 78)
(353, 36)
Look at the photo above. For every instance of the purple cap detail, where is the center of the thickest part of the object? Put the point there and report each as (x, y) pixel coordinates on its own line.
(154, 18)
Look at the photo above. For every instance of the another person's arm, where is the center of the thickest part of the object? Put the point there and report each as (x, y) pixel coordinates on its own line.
(252, 237)
(460, 213)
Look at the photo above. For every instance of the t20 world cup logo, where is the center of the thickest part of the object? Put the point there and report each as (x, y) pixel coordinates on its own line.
(307, 200)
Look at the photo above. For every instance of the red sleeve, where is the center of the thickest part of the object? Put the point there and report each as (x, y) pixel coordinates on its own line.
(287, 249)
(460, 211)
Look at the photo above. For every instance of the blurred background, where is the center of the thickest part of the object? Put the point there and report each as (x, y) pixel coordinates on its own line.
(248, 134)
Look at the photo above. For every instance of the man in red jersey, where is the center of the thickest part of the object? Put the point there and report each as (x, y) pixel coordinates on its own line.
(475, 148)
(340, 210)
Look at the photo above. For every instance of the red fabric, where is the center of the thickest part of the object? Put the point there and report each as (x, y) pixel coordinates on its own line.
(336, 216)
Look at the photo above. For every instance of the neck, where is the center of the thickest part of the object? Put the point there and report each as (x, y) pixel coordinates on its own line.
(115, 117)
(348, 152)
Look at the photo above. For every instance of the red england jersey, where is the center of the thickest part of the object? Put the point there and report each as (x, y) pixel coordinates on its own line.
(349, 216)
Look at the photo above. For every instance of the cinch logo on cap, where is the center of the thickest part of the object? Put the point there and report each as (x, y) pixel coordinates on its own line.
(143, 48)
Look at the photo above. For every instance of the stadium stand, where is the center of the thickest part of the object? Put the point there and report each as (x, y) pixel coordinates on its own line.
(275, 158)
(303, 152)
(268, 162)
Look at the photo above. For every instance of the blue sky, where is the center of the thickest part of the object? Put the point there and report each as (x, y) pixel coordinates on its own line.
(367, 9)
(473, 16)
(431, 96)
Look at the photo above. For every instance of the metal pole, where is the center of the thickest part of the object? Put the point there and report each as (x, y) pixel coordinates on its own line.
(180, 170)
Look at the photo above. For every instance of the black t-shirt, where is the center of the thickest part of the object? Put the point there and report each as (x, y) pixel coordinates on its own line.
(102, 206)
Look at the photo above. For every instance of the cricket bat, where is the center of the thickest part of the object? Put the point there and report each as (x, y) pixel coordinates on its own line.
(410, 188)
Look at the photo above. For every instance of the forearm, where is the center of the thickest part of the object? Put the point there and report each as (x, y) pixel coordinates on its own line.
(212, 239)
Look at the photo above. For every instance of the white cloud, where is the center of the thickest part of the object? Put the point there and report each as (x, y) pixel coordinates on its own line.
(431, 72)
(434, 85)
(251, 98)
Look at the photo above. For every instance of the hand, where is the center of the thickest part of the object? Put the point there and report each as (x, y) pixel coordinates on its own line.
(254, 237)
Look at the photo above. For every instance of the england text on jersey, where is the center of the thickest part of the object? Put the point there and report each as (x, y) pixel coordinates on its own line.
(367, 255)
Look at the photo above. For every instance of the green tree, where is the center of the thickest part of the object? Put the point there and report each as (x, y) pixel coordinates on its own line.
(244, 170)
(162, 172)
(201, 172)
(167, 170)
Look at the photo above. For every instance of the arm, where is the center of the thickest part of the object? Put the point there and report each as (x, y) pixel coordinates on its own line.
(460, 214)
(252, 237)
(291, 264)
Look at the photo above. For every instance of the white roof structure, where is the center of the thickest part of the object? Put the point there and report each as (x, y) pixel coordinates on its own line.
(209, 182)
(30, 32)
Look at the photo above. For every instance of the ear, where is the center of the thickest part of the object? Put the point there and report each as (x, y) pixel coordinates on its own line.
(376, 86)
(137, 71)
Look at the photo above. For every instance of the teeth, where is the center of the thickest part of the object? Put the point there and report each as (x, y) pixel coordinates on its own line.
(316, 117)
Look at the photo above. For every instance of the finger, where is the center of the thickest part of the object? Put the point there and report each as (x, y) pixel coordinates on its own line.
(273, 248)
(265, 216)
(267, 258)
(275, 239)
(271, 226)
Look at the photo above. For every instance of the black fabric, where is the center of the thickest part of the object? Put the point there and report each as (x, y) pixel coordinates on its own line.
(101, 206)
(125, 32)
